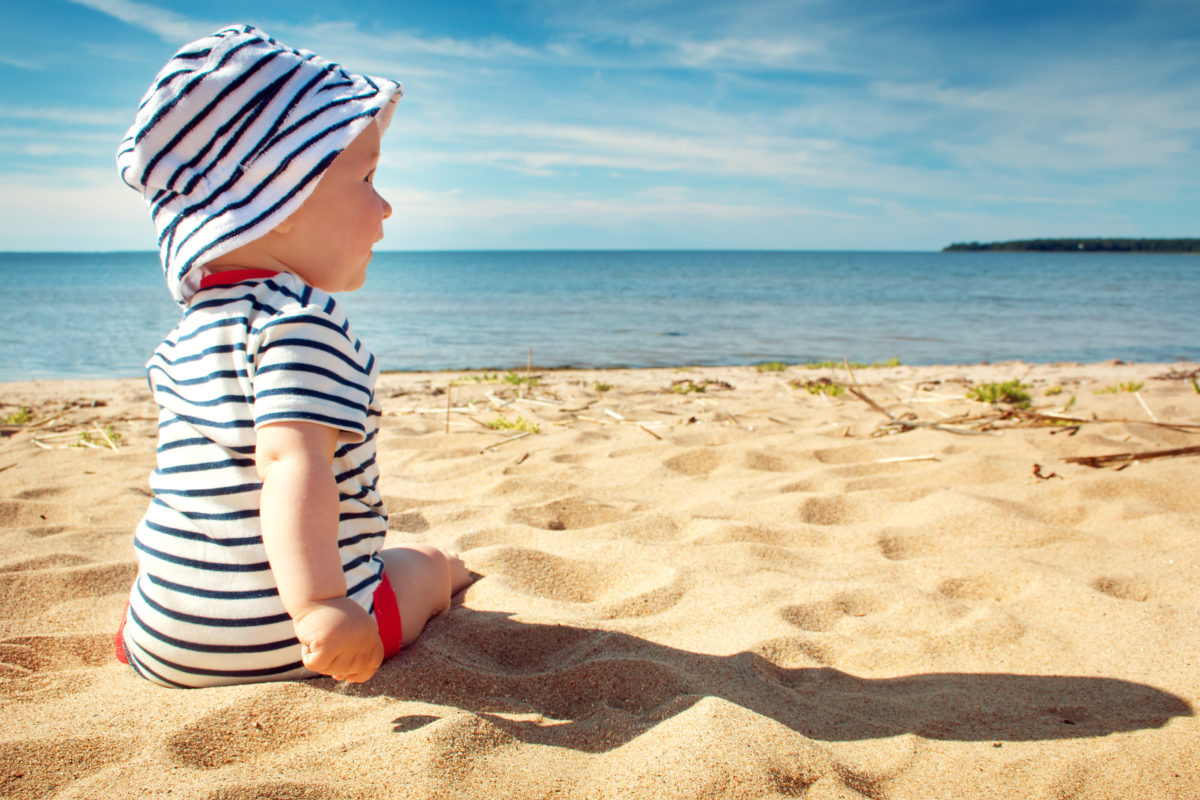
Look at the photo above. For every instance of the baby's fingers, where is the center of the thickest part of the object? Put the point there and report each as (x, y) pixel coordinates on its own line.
(316, 659)
(343, 668)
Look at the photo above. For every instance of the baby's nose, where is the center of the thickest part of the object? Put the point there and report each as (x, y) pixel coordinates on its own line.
(387, 207)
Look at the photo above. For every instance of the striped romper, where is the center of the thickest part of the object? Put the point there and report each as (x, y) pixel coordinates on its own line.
(252, 348)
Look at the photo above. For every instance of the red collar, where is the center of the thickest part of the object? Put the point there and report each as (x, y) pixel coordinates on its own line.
(232, 276)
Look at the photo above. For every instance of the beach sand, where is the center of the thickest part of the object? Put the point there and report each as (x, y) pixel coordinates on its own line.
(750, 591)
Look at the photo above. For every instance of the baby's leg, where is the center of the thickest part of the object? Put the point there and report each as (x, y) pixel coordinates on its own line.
(424, 579)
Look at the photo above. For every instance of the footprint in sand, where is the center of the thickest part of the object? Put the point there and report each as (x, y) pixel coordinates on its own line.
(1136, 589)
(33, 590)
(793, 652)
(553, 647)
(769, 462)
(827, 614)
(694, 463)
(557, 670)
(46, 562)
(39, 518)
(40, 768)
(38, 668)
(829, 509)
(567, 514)
(899, 546)
(273, 719)
(409, 522)
(980, 587)
(275, 791)
(54, 652)
(610, 589)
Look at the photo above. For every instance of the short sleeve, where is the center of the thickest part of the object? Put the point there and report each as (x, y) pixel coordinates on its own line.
(308, 368)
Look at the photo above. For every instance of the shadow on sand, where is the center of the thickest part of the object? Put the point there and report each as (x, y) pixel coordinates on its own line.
(597, 690)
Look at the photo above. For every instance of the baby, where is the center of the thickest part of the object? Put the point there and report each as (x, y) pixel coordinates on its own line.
(260, 556)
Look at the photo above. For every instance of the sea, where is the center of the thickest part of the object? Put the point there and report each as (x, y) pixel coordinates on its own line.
(100, 315)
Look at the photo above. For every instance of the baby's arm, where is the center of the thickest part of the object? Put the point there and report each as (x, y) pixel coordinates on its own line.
(299, 517)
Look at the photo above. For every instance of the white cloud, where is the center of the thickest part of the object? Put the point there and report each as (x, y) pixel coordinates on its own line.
(66, 114)
(455, 210)
(346, 37)
(167, 25)
(81, 210)
(757, 53)
(21, 63)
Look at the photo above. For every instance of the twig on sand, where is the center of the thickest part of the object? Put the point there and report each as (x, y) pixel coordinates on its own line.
(903, 425)
(846, 361)
(737, 422)
(1149, 413)
(48, 420)
(493, 447)
(1037, 473)
(906, 459)
(104, 434)
(1127, 458)
(652, 433)
(497, 403)
(854, 390)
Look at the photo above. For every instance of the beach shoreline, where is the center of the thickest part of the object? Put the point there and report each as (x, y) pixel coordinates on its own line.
(696, 582)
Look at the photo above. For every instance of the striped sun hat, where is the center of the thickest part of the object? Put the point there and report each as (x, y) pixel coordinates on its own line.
(233, 136)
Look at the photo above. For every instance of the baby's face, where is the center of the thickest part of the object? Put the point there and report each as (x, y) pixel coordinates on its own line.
(328, 239)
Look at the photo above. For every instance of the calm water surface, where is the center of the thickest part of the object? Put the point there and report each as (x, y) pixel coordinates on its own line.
(101, 315)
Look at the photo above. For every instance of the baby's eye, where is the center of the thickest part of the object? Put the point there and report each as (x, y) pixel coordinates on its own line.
(370, 176)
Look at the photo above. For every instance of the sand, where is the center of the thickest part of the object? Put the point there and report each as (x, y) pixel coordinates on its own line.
(751, 591)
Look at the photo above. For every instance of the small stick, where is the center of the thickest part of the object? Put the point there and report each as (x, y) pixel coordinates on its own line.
(42, 422)
(1118, 458)
(540, 402)
(506, 441)
(846, 361)
(521, 460)
(614, 414)
(42, 445)
(497, 401)
(1149, 413)
(862, 396)
(905, 459)
(104, 435)
(652, 433)
(61, 435)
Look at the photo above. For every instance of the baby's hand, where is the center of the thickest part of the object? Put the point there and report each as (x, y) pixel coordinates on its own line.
(339, 639)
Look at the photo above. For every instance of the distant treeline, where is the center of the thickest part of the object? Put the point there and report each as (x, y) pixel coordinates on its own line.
(1085, 245)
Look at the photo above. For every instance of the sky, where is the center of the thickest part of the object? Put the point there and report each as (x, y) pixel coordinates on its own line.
(578, 124)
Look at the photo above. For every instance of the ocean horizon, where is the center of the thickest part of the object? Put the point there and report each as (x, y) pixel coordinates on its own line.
(100, 315)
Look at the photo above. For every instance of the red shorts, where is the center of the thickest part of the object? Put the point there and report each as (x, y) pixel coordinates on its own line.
(387, 619)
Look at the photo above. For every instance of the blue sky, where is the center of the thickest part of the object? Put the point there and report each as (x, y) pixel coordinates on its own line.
(847, 124)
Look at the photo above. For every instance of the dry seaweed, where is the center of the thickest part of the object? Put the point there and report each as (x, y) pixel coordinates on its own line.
(1125, 459)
